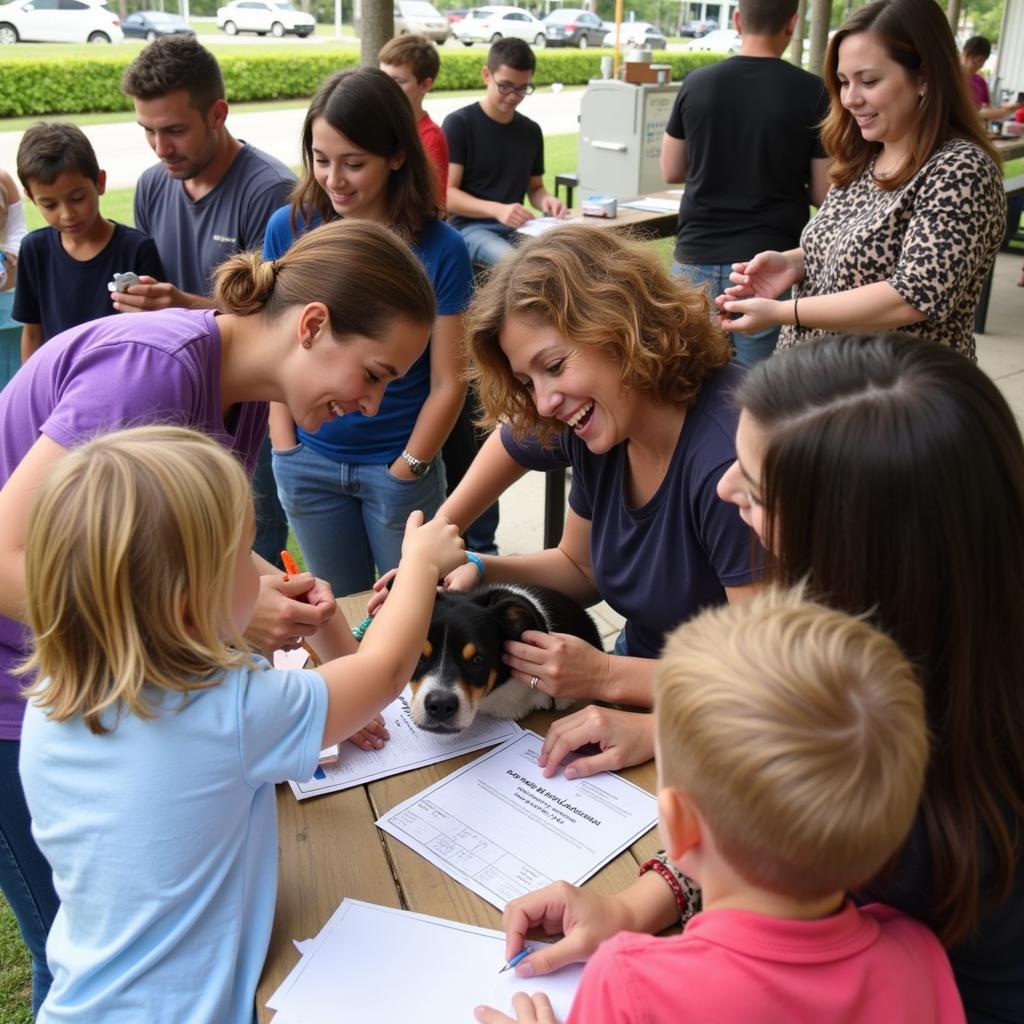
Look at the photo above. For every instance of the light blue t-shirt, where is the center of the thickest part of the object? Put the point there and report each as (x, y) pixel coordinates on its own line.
(162, 836)
(380, 439)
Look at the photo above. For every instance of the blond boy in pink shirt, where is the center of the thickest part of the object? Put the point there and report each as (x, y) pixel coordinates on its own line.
(791, 749)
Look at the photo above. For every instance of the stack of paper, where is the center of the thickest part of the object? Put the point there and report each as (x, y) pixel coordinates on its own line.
(376, 963)
(651, 204)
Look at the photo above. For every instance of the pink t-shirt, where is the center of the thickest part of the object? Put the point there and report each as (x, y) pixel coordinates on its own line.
(978, 88)
(867, 964)
(436, 146)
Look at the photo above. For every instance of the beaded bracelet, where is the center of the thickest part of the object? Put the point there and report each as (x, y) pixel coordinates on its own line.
(360, 631)
(685, 891)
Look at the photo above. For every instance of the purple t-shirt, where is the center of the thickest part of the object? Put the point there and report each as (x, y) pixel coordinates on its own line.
(660, 564)
(121, 371)
(978, 88)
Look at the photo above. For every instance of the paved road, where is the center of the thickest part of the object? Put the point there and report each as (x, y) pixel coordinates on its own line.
(123, 152)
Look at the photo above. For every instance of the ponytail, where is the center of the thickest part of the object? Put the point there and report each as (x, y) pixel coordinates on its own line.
(363, 273)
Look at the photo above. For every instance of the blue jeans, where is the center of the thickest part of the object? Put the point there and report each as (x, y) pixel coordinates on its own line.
(271, 523)
(488, 240)
(349, 517)
(750, 348)
(25, 876)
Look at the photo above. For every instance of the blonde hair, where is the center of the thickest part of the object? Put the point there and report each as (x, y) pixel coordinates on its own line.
(799, 732)
(130, 570)
(362, 272)
(598, 291)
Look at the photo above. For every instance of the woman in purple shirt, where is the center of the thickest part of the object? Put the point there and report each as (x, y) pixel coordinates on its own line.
(323, 330)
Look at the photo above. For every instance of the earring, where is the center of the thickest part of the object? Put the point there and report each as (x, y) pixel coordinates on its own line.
(307, 343)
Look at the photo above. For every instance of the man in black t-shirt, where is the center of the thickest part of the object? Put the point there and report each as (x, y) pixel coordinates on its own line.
(495, 156)
(743, 135)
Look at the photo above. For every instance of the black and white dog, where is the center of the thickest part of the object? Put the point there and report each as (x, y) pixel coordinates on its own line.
(461, 670)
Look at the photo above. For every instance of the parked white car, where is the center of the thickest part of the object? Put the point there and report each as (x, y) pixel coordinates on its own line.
(486, 24)
(640, 34)
(58, 21)
(420, 18)
(721, 40)
(278, 17)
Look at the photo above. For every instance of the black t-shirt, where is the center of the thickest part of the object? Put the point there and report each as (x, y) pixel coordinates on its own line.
(750, 126)
(57, 291)
(497, 159)
(989, 968)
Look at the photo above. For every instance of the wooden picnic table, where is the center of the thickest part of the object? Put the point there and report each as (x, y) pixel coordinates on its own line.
(1010, 148)
(330, 848)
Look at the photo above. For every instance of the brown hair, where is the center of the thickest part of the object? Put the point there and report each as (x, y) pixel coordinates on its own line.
(512, 53)
(129, 573)
(799, 732)
(49, 149)
(417, 53)
(371, 111)
(893, 480)
(766, 17)
(173, 63)
(362, 272)
(598, 291)
(915, 34)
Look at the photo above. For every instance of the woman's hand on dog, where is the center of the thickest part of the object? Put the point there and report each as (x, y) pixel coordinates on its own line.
(625, 738)
(566, 667)
(372, 736)
(585, 919)
(535, 1009)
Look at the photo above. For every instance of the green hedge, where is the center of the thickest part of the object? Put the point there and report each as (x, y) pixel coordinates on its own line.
(87, 85)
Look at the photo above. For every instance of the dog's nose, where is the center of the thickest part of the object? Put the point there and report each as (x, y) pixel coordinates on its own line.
(441, 705)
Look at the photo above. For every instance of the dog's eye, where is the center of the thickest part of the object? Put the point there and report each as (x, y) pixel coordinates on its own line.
(478, 659)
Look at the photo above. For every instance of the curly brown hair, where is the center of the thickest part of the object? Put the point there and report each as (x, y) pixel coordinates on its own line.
(601, 291)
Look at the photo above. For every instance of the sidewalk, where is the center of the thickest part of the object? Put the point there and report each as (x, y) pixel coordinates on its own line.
(124, 154)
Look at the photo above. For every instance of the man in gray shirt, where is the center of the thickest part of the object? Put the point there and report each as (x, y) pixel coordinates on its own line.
(210, 196)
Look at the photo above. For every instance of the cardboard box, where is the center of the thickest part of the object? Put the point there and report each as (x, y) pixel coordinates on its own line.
(639, 73)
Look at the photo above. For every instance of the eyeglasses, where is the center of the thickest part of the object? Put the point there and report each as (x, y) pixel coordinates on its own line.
(508, 89)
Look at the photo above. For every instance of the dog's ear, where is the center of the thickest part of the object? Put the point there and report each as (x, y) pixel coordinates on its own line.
(517, 616)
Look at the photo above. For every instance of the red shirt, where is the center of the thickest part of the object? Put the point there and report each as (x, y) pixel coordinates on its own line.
(862, 965)
(436, 146)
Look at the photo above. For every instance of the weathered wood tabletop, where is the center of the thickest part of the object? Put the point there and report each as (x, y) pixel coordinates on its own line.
(330, 848)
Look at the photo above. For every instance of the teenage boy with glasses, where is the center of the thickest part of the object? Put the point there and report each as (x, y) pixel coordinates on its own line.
(495, 156)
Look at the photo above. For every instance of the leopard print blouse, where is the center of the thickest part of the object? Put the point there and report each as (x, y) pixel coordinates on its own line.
(934, 240)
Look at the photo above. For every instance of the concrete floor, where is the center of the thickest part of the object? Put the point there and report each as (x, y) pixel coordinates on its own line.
(1000, 355)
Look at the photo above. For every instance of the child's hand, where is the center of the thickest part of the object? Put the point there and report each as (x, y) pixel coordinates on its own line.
(438, 542)
(584, 917)
(148, 294)
(372, 736)
(535, 1009)
(462, 578)
(380, 592)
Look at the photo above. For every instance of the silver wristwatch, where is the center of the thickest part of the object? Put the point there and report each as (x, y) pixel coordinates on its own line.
(419, 467)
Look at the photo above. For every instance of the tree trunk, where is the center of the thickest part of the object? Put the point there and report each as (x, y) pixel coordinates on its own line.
(796, 45)
(821, 17)
(377, 28)
(953, 14)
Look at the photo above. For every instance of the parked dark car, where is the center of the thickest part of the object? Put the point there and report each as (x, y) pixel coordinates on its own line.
(454, 15)
(574, 27)
(697, 28)
(150, 25)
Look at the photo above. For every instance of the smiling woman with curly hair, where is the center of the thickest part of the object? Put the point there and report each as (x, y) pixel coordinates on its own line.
(590, 355)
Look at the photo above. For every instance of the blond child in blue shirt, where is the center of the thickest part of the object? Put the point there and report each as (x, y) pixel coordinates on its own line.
(153, 737)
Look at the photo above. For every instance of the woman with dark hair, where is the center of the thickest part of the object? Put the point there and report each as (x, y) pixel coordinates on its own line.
(915, 217)
(349, 487)
(889, 474)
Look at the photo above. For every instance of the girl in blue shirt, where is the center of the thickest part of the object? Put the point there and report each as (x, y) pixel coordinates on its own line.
(348, 488)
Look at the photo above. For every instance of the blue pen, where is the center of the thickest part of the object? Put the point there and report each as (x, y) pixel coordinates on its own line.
(519, 956)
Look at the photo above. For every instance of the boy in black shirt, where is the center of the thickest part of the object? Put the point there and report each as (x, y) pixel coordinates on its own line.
(64, 269)
(495, 155)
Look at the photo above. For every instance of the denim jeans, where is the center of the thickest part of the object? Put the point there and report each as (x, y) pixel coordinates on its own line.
(25, 876)
(488, 240)
(271, 522)
(349, 517)
(750, 348)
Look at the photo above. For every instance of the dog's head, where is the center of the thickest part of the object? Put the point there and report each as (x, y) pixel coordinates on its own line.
(461, 662)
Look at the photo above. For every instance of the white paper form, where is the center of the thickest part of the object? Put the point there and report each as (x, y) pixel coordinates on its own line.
(378, 963)
(501, 829)
(652, 204)
(539, 225)
(409, 747)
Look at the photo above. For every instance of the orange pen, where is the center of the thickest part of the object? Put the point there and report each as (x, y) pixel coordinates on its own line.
(292, 569)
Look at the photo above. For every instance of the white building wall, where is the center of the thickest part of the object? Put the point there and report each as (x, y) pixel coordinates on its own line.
(1010, 59)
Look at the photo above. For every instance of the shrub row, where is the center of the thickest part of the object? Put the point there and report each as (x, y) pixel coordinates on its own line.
(87, 85)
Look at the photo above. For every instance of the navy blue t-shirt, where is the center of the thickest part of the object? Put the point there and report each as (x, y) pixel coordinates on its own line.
(660, 564)
(58, 291)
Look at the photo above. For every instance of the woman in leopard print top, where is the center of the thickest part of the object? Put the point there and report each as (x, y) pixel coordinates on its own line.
(914, 219)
